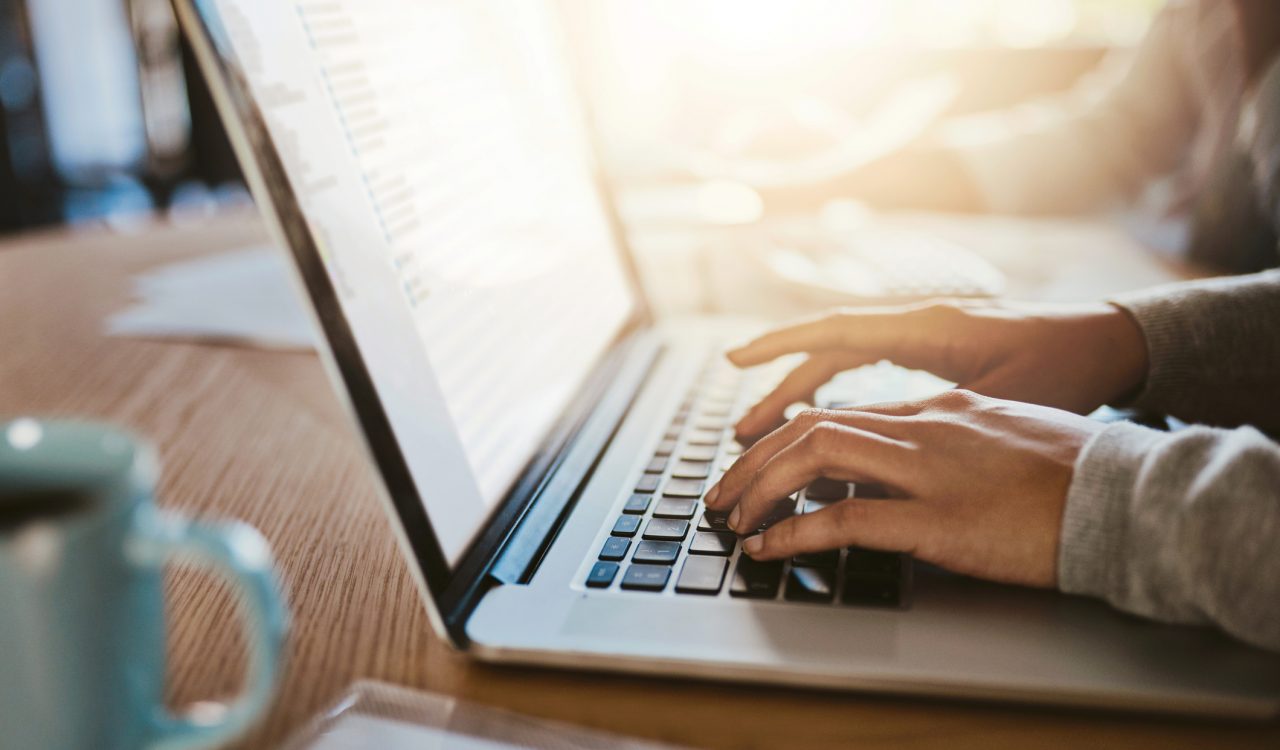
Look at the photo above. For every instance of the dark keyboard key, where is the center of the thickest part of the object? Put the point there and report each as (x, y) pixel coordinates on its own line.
(657, 553)
(701, 575)
(827, 489)
(615, 548)
(675, 507)
(864, 491)
(646, 577)
(713, 543)
(714, 520)
(602, 574)
(704, 437)
(648, 483)
(810, 585)
(684, 488)
(827, 559)
(665, 529)
(691, 470)
(861, 561)
(781, 513)
(753, 579)
(637, 504)
(657, 465)
(626, 525)
(872, 590)
(699, 453)
(665, 448)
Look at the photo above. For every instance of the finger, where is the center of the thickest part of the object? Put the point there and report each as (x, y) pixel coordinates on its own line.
(829, 450)
(895, 525)
(798, 386)
(871, 329)
(725, 492)
(728, 490)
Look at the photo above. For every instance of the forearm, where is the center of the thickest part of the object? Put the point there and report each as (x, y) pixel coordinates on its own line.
(1179, 527)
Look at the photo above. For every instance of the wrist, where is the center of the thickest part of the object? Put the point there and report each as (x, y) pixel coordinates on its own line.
(1125, 347)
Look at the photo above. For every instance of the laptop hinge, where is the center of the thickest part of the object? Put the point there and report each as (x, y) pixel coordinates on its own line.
(535, 532)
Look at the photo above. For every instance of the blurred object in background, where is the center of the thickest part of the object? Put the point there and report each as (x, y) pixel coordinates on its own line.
(671, 77)
(102, 116)
(97, 116)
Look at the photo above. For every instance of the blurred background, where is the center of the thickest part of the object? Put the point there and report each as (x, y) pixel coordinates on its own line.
(103, 119)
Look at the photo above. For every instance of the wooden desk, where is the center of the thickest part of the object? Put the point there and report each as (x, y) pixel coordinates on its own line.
(259, 436)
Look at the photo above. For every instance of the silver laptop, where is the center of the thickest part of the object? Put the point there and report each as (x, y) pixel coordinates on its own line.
(543, 444)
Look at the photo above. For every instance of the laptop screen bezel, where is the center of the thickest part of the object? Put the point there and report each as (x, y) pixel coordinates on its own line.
(264, 170)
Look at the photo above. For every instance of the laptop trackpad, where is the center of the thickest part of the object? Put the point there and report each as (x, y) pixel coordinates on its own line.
(716, 629)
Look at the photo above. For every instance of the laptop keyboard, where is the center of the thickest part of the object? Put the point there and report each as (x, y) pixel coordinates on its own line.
(664, 540)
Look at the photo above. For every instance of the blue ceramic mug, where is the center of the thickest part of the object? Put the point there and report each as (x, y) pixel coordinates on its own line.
(82, 630)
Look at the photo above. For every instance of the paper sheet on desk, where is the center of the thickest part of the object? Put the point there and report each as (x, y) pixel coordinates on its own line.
(242, 298)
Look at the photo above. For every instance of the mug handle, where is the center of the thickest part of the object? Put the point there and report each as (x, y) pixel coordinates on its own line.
(240, 554)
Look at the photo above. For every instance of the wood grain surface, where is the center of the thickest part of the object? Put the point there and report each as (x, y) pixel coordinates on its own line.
(259, 436)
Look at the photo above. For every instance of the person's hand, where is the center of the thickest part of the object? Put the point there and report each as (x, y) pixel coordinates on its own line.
(1075, 357)
(980, 483)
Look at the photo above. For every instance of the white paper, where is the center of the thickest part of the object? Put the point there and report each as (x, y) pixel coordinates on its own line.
(243, 297)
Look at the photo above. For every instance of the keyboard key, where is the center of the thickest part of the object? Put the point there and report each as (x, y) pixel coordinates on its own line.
(602, 574)
(657, 553)
(713, 543)
(648, 483)
(615, 548)
(665, 448)
(753, 579)
(665, 529)
(810, 585)
(691, 470)
(734, 448)
(626, 525)
(657, 465)
(861, 561)
(699, 453)
(701, 575)
(714, 520)
(673, 432)
(711, 424)
(684, 488)
(704, 437)
(645, 577)
(785, 510)
(637, 504)
(827, 559)
(827, 489)
(872, 591)
(864, 491)
(675, 507)
(717, 408)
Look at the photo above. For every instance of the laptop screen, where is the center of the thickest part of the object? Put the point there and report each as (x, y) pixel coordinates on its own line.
(438, 157)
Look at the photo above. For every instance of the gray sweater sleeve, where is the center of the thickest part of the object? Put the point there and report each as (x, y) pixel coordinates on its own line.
(1181, 527)
(1185, 526)
(1214, 350)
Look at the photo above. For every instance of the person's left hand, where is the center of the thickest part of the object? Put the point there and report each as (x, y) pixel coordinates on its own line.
(981, 483)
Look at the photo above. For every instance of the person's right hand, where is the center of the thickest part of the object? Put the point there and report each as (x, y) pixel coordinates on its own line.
(1075, 357)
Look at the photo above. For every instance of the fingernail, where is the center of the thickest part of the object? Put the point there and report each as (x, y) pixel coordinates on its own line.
(733, 519)
(713, 494)
(753, 544)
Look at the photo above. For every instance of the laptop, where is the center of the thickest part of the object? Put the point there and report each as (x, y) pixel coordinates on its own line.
(543, 443)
